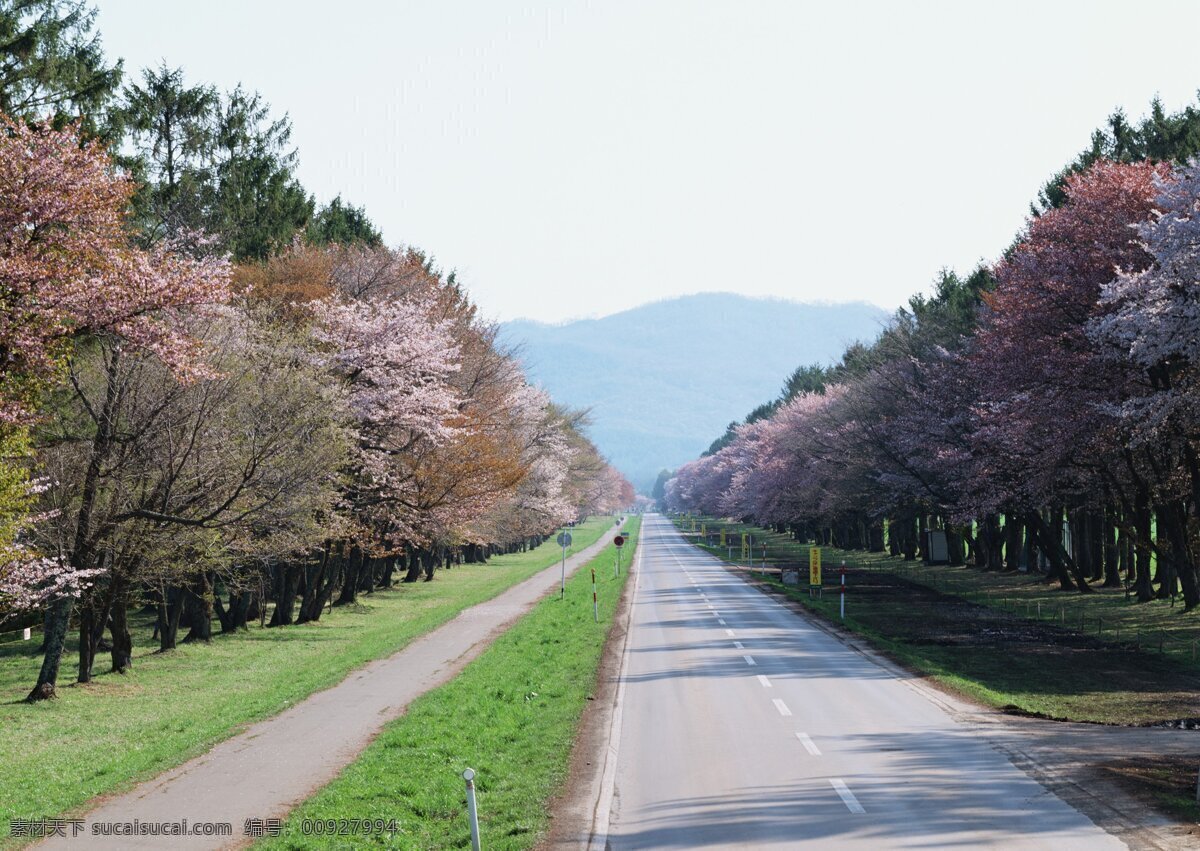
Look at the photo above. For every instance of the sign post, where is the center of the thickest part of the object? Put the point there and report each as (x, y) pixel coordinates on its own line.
(595, 602)
(842, 592)
(564, 541)
(814, 571)
(620, 542)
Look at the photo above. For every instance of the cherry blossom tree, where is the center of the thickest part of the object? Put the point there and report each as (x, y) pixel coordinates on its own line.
(68, 270)
(1148, 331)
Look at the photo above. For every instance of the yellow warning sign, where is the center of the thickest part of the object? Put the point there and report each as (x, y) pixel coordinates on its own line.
(814, 567)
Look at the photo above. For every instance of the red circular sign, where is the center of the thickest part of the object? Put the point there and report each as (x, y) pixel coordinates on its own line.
(619, 540)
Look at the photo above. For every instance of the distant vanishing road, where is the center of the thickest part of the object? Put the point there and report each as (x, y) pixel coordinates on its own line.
(743, 725)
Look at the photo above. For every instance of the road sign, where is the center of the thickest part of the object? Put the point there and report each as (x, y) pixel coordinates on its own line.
(564, 539)
(619, 540)
(814, 567)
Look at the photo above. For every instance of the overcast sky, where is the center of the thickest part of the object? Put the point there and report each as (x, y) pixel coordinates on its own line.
(577, 158)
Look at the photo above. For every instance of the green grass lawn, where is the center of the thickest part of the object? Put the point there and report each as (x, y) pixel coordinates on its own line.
(102, 737)
(1009, 640)
(511, 715)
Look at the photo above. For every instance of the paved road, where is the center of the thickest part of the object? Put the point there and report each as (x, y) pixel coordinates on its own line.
(275, 764)
(743, 725)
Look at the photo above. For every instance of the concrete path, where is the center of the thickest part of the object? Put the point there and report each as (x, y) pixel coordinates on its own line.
(275, 764)
(744, 725)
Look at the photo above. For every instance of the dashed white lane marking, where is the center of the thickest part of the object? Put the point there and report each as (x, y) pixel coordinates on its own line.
(730, 633)
(847, 796)
(808, 743)
(710, 605)
(721, 621)
(749, 660)
(782, 707)
(765, 682)
(738, 645)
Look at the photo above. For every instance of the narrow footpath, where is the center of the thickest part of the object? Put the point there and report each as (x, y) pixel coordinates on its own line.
(272, 766)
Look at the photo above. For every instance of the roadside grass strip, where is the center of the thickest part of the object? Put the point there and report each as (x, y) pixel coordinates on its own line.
(511, 715)
(106, 736)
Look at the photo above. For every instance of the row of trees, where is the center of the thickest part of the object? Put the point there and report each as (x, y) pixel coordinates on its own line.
(1058, 386)
(213, 399)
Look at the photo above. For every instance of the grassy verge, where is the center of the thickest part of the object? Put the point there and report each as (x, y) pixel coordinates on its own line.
(512, 715)
(118, 730)
(1009, 640)
(1165, 782)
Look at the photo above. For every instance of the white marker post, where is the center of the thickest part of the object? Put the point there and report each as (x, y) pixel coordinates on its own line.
(472, 811)
(843, 591)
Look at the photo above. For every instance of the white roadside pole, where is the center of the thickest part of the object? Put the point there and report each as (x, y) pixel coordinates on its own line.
(472, 811)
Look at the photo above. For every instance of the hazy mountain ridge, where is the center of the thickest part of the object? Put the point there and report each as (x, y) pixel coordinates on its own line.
(663, 380)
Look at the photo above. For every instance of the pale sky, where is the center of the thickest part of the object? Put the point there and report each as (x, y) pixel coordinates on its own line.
(577, 158)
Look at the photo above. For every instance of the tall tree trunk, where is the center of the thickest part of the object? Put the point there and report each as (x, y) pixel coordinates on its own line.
(199, 601)
(1112, 550)
(389, 567)
(954, 546)
(1062, 564)
(350, 583)
(285, 594)
(82, 554)
(170, 609)
(414, 565)
(1013, 540)
(122, 639)
(1174, 521)
(875, 536)
(87, 640)
(317, 577)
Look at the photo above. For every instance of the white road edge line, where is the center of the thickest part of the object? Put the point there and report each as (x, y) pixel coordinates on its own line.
(765, 683)
(602, 815)
(782, 707)
(809, 744)
(847, 796)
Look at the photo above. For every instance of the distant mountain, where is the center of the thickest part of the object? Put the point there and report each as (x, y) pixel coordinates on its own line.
(665, 379)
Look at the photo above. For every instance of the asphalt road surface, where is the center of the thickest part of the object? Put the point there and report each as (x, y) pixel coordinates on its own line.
(743, 725)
